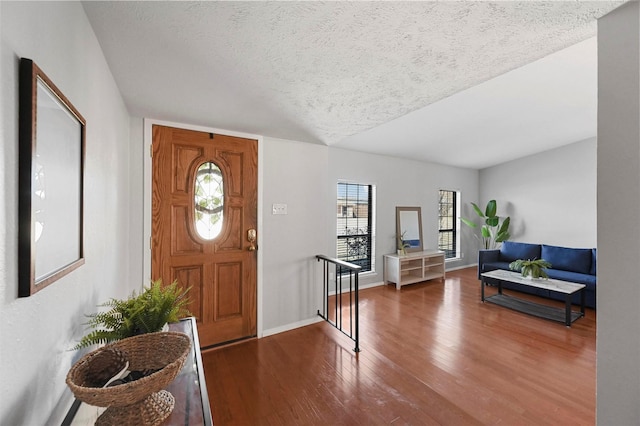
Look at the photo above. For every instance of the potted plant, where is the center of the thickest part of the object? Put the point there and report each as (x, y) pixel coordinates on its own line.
(146, 312)
(534, 269)
(492, 231)
(402, 244)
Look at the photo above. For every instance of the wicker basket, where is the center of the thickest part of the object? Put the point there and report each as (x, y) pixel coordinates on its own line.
(140, 401)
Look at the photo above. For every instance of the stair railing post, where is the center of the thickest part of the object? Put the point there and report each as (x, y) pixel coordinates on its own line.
(354, 271)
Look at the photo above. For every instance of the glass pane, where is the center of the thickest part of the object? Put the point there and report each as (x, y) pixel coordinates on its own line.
(209, 201)
(354, 224)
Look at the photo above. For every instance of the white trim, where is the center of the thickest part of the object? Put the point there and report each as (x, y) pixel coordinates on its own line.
(292, 326)
(370, 285)
(374, 214)
(147, 139)
(360, 287)
(304, 323)
(456, 218)
(455, 268)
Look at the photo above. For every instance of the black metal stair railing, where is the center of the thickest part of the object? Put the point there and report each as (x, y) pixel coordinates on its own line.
(338, 308)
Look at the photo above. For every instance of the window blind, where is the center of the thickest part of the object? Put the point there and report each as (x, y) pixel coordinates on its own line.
(354, 224)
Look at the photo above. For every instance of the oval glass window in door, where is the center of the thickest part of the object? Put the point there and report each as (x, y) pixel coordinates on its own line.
(209, 201)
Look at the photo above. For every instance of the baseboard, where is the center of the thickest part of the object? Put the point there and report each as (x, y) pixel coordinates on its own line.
(291, 326)
(378, 284)
(303, 323)
(455, 268)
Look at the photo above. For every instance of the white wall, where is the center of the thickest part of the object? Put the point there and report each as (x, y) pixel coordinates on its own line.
(294, 174)
(550, 196)
(304, 176)
(618, 343)
(37, 332)
(399, 182)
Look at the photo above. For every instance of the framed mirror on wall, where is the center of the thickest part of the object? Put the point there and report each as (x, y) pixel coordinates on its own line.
(409, 227)
(51, 173)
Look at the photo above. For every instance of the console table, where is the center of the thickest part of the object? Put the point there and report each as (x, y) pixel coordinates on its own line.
(403, 269)
(188, 388)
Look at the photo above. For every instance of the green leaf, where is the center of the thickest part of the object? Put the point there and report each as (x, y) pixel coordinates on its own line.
(492, 221)
(477, 210)
(543, 263)
(492, 207)
(516, 265)
(505, 225)
(468, 222)
(486, 233)
(504, 236)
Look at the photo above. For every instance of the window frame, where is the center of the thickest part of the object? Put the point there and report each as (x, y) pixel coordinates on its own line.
(454, 253)
(342, 208)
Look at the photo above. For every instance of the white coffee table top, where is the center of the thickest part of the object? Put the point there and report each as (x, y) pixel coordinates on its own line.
(566, 287)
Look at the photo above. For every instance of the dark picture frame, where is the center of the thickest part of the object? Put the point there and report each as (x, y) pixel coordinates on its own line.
(50, 182)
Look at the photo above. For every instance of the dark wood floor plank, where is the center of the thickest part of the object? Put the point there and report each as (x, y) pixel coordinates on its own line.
(432, 354)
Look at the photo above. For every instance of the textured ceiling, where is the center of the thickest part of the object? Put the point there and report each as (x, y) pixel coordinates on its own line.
(546, 104)
(323, 72)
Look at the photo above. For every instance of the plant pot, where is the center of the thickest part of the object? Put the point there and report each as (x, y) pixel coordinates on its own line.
(529, 277)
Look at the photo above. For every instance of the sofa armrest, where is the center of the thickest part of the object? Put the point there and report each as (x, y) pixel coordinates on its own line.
(486, 256)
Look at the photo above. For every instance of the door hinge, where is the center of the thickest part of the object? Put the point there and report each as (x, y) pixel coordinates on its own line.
(150, 243)
(151, 150)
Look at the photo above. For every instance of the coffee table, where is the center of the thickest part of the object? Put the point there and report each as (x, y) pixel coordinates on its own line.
(567, 288)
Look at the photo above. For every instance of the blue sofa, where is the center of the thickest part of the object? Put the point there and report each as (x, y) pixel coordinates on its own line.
(568, 264)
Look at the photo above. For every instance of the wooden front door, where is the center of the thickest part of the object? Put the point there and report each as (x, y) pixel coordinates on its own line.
(204, 227)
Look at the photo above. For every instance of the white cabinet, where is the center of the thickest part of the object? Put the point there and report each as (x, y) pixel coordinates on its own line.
(413, 267)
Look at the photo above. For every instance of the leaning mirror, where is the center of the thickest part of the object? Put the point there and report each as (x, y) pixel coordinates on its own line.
(409, 227)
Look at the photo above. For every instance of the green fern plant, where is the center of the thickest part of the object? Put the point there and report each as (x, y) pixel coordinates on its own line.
(147, 312)
(534, 268)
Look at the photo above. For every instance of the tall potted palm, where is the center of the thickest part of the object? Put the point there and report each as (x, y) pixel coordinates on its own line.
(492, 230)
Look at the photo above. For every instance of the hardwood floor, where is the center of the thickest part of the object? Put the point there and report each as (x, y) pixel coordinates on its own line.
(432, 353)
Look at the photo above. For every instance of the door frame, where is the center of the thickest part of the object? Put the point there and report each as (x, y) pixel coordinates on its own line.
(147, 181)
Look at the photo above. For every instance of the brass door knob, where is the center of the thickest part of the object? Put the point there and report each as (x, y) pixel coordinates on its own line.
(251, 237)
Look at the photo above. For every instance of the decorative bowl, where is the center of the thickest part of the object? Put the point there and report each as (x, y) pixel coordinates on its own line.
(140, 401)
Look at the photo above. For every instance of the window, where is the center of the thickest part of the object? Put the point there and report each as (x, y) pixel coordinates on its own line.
(355, 224)
(208, 201)
(448, 223)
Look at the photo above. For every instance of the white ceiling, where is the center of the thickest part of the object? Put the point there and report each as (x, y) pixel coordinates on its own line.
(537, 107)
(434, 81)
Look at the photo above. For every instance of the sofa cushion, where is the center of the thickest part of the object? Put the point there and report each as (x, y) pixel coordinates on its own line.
(576, 277)
(567, 259)
(510, 251)
(593, 261)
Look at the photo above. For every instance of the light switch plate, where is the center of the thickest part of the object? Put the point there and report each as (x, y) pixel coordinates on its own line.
(279, 209)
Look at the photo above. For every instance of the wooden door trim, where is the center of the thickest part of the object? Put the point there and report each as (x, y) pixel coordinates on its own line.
(147, 181)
